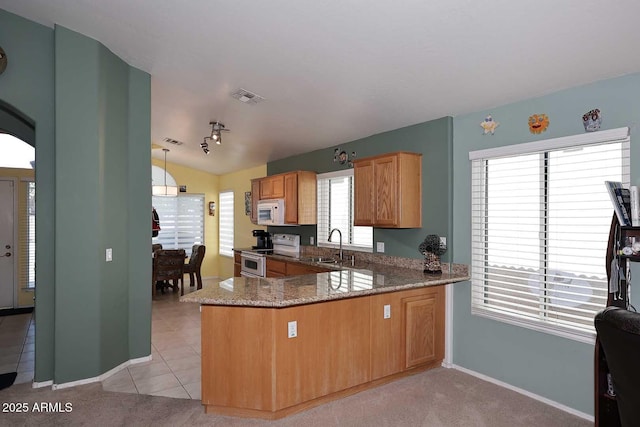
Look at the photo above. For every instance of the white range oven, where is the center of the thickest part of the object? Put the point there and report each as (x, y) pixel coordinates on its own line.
(253, 262)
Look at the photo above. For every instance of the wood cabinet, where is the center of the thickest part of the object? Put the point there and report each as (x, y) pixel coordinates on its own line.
(423, 316)
(272, 187)
(298, 189)
(255, 196)
(279, 268)
(388, 190)
(342, 347)
(386, 336)
(276, 268)
(412, 336)
(237, 263)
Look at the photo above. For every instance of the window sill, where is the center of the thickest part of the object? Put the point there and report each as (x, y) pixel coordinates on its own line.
(580, 336)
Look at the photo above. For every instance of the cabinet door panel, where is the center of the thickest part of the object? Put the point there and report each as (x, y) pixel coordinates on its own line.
(423, 326)
(386, 191)
(255, 195)
(363, 193)
(291, 198)
(272, 187)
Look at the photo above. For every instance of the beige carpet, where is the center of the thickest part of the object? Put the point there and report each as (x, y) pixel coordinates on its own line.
(440, 397)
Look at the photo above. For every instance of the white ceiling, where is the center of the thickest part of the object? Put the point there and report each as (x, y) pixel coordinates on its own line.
(334, 71)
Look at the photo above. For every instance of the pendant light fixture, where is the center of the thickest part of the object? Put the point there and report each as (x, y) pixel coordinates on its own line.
(165, 190)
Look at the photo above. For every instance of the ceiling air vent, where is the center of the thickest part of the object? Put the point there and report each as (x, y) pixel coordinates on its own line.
(246, 96)
(173, 141)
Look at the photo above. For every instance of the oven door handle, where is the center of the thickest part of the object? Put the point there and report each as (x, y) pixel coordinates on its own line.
(253, 257)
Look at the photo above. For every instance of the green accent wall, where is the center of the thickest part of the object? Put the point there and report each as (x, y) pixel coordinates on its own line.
(27, 85)
(102, 128)
(91, 113)
(434, 140)
(553, 367)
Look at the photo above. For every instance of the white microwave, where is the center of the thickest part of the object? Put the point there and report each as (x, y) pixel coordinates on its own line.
(271, 212)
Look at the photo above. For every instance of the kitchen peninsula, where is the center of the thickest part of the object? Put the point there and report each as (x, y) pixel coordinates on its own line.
(274, 346)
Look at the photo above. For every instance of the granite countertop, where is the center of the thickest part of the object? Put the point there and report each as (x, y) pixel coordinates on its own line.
(345, 282)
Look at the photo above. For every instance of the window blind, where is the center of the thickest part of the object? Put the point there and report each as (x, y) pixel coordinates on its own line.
(181, 221)
(27, 236)
(226, 223)
(335, 210)
(540, 227)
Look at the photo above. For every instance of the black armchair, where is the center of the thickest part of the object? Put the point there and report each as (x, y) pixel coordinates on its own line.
(168, 268)
(194, 265)
(619, 336)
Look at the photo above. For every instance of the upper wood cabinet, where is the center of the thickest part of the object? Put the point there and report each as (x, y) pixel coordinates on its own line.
(272, 187)
(388, 190)
(298, 189)
(255, 195)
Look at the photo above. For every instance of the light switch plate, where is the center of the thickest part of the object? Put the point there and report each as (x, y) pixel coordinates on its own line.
(312, 240)
(109, 255)
(443, 241)
(379, 246)
(387, 311)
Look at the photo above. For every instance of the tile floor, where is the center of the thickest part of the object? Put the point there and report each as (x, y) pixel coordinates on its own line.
(174, 370)
(17, 338)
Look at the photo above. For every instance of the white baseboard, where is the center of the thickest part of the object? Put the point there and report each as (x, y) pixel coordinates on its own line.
(103, 376)
(41, 384)
(524, 392)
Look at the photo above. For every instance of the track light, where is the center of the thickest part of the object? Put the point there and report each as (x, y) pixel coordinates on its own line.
(216, 135)
(205, 146)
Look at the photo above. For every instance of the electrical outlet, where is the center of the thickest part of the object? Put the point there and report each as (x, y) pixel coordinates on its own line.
(443, 241)
(109, 254)
(387, 311)
(312, 240)
(379, 246)
(292, 329)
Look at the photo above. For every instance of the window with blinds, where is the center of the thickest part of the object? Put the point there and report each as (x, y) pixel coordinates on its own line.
(540, 226)
(335, 210)
(181, 221)
(27, 236)
(226, 223)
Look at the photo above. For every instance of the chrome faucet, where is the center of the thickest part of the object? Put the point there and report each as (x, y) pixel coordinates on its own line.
(339, 233)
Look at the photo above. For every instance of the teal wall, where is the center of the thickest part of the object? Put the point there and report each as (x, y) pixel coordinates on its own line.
(434, 140)
(28, 86)
(99, 142)
(556, 368)
(92, 133)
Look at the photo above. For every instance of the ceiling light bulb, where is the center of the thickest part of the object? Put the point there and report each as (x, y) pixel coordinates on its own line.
(219, 140)
(215, 136)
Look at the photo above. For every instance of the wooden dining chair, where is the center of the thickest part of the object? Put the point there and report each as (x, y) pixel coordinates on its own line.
(168, 267)
(194, 265)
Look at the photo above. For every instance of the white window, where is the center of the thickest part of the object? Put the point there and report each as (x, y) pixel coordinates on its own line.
(226, 223)
(540, 225)
(335, 210)
(181, 221)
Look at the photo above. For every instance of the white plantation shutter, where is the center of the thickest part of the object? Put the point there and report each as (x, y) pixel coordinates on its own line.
(540, 226)
(335, 210)
(181, 221)
(226, 223)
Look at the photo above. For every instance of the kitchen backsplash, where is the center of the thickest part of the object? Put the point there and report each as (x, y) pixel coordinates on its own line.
(411, 263)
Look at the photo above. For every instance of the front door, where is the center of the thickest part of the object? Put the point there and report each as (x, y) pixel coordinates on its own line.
(7, 244)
